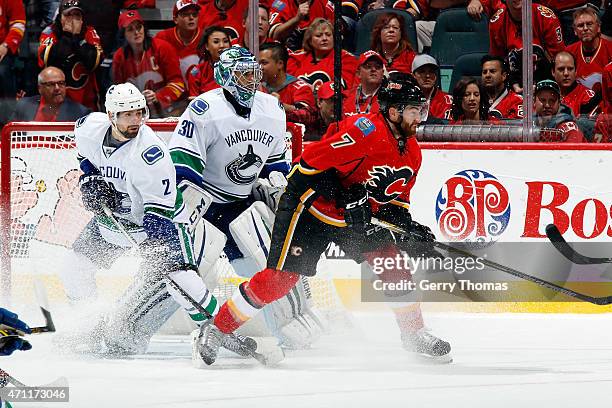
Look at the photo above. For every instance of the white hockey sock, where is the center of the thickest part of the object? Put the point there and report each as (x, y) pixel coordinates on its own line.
(192, 284)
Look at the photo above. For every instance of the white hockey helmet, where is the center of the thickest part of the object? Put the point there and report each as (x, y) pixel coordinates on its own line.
(123, 98)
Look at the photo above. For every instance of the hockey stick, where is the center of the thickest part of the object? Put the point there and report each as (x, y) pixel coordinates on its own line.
(6, 378)
(602, 301)
(554, 235)
(257, 356)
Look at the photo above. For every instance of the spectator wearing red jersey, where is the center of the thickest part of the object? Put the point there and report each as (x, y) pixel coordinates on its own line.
(425, 70)
(74, 47)
(263, 26)
(201, 78)
(290, 19)
(580, 99)
(592, 52)
(224, 13)
(470, 104)
(551, 114)
(503, 103)
(185, 35)
(52, 104)
(12, 28)
(390, 40)
(565, 18)
(295, 94)
(506, 39)
(150, 64)
(363, 97)
(315, 63)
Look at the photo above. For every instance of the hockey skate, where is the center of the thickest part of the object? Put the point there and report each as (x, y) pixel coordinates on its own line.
(206, 342)
(427, 345)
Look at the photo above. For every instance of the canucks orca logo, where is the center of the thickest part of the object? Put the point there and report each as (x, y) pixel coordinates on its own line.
(387, 183)
(236, 168)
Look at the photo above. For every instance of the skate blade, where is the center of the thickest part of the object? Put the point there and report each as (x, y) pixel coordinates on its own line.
(196, 359)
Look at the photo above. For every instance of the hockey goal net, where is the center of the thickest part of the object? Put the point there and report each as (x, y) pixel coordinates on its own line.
(42, 215)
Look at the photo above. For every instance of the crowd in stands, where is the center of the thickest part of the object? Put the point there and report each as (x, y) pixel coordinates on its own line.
(58, 57)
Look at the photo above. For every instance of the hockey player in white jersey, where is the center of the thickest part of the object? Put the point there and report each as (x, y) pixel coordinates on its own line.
(230, 146)
(127, 169)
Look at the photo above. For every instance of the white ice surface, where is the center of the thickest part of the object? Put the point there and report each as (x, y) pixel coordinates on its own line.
(500, 360)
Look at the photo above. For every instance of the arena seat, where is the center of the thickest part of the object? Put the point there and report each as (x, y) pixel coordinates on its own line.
(466, 65)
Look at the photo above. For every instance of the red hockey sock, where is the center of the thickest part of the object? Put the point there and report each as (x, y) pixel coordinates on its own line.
(264, 287)
(409, 318)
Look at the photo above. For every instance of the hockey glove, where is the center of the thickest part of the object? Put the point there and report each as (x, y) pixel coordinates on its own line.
(418, 239)
(270, 190)
(97, 193)
(357, 209)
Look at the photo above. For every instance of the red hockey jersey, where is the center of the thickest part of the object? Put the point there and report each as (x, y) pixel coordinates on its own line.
(302, 64)
(560, 5)
(589, 69)
(355, 102)
(363, 151)
(158, 71)
(284, 10)
(231, 18)
(298, 93)
(440, 104)
(505, 34)
(187, 53)
(12, 23)
(509, 105)
(401, 63)
(582, 101)
(81, 84)
(200, 79)
(606, 90)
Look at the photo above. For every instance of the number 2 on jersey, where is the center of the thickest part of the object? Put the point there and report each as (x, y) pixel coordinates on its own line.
(166, 184)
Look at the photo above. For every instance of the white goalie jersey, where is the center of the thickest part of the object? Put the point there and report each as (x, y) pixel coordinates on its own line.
(139, 169)
(224, 153)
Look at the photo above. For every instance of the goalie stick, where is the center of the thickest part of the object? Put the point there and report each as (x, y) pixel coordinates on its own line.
(554, 235)
(601, 301)
(260, 357)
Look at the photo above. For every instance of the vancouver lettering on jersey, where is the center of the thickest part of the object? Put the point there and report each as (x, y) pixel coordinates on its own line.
(249, 135)
(112, 172)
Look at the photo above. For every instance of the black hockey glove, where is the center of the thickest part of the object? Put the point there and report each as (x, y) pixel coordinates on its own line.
(357, 210)
(96, 193)
(418, 239)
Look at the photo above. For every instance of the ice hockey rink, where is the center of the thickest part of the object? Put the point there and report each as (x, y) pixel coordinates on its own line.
(500, 360)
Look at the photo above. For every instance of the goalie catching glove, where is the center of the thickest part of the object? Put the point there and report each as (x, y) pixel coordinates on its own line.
(270, 190)
(96, 193)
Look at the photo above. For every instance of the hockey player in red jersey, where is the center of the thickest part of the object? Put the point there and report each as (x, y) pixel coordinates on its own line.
(551, 114)
(149, 63)
(74, 47)
(503, 103)
(580, 99)
(366, 168)
(592, 52)
(186, 35)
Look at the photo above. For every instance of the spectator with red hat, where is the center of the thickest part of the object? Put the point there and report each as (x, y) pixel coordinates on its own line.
(326, 99)
(425, 70)
(295, 94)
(201, 78)
(363, 98)
(73, 46)
(150, 64)
(185, 36)
(12, 28)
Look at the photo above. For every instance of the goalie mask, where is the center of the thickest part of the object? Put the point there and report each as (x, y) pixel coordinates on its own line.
(124, 98)
(239, 73)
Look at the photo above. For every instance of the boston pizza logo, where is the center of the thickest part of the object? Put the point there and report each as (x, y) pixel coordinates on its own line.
(472, 206)
(387, 183)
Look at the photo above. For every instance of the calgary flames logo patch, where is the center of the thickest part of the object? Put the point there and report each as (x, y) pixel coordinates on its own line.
(387, 183)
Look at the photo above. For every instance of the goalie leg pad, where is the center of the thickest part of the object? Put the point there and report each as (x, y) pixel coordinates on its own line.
(208, 243)
(252, 231)
(78, 275)
(195, 204)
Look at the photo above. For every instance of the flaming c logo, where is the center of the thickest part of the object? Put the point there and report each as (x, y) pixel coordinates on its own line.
(387, 183)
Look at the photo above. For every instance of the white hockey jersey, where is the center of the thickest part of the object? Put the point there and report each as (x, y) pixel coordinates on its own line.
(140, 169)
(223, 152)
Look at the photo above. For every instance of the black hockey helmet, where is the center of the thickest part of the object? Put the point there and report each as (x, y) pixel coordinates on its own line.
(400, 90)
